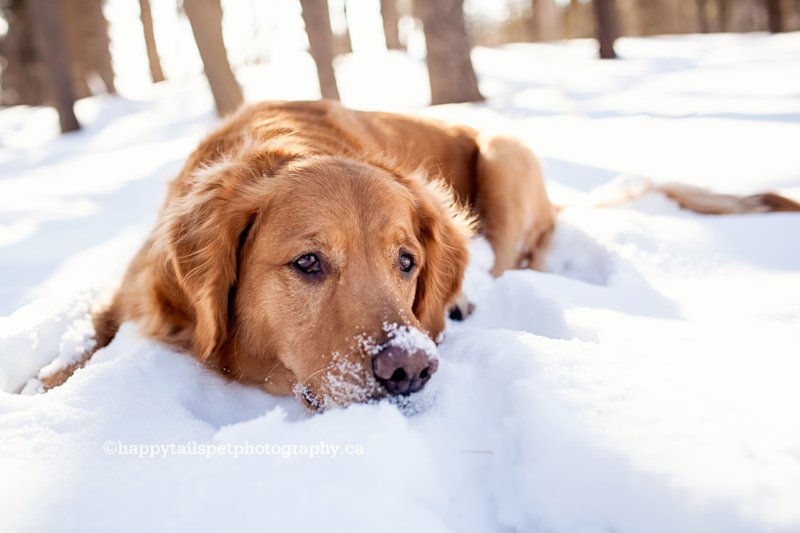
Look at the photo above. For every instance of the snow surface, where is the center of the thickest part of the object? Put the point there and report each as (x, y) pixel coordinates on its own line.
(649, 381)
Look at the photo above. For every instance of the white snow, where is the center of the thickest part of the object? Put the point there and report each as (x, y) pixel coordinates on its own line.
(649, 381)
(410, 339)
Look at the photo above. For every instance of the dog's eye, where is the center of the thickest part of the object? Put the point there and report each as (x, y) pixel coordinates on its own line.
(406, 263)
(308, 264)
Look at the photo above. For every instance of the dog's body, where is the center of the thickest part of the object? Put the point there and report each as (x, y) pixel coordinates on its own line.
(301, 239)
(215, 279)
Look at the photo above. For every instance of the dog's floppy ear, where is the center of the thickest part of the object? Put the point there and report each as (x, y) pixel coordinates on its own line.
(200, 235)
(444, 231)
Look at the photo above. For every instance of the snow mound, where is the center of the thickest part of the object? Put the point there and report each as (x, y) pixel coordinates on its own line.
(43, 337)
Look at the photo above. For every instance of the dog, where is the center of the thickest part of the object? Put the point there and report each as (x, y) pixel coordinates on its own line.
(313, 250)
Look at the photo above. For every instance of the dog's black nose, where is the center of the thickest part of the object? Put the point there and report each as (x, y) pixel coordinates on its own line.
(402, 371)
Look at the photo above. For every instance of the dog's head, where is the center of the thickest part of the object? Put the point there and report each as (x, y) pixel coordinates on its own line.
(316, 276)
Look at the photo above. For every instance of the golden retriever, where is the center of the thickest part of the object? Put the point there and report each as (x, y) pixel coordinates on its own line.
(314, 250)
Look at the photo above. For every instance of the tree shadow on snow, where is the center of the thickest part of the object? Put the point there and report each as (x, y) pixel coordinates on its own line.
(33, 259)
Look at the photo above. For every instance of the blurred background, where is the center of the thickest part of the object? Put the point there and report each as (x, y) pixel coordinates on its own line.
(56, 52)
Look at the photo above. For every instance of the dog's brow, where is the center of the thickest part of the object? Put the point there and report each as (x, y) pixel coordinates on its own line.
(402, 237)
(314, 238)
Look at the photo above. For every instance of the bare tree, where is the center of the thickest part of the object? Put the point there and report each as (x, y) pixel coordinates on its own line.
(578, 20)
(342, 43)
(390, 24)
(774, 16)
(723, 14)
(156, 74)
(96, 42)
(654, 18)
(605, 17)
(320, 41)
(796, 10)
(702, 15)
(449, 64)
(89, 44)
(545, 19)
(79, 62)
(205, 16)
(23, 77)
(47, 19)
(84, 29)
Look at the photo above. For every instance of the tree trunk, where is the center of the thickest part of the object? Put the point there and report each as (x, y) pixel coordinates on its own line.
(85, 31)
(348, 40)
(98, 44)
(606, 27)
(23, 78)
(796, 15)
(702, 15)
(46, 16)
(320, 41)
(89, 44)
(775, 16)
(390, 23)
(578, 24)
(655, 18)
(156, 74)
(545, 19)
(723, 14)
(452, 76)
(342, 43)
(72, 15)
(205, 16)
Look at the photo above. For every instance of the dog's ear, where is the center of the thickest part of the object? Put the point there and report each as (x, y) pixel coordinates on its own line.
(200, 235)
(444, 229)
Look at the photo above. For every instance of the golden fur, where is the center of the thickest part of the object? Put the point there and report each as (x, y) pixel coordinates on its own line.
(281, 179)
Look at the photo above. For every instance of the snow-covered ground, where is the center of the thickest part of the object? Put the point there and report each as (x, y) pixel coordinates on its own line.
(649, 382)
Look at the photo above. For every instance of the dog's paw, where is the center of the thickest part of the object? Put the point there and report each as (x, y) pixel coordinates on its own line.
(461, 309)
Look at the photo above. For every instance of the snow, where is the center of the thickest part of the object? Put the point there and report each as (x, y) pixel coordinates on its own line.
(648, 381)
(410, 339)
